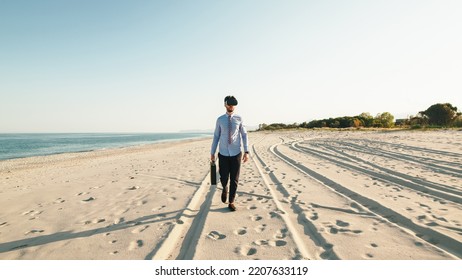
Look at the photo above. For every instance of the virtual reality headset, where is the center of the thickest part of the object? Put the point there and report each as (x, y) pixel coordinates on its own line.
(230, 100)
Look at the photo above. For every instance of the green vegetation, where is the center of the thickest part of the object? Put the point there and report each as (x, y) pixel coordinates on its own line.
(437, 115)
(364, 120)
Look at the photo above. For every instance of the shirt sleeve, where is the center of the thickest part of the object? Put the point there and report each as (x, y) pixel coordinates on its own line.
(245, 141)
(216, 138)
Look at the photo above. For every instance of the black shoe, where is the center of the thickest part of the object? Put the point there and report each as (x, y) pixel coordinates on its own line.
(232, 207)
(224, 195)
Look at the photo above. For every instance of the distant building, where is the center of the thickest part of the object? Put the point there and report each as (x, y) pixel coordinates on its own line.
(400, 122)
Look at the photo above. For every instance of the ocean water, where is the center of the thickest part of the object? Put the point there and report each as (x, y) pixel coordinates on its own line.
(39, 144)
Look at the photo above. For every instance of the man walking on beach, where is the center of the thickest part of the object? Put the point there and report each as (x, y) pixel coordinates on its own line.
(229, 132)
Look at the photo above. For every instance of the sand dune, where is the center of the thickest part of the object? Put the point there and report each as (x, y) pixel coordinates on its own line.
(304, 195)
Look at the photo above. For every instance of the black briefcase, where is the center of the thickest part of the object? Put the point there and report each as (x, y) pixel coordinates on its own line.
(213, 173)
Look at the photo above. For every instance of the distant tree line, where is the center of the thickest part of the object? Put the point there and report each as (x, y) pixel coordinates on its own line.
(438, 115)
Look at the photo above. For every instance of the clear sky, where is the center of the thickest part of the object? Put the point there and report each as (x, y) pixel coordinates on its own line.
(162, 66)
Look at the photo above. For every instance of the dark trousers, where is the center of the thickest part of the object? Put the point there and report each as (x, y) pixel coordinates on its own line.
(230, 167)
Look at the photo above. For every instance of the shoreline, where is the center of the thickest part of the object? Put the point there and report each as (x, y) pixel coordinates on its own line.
(90, 147)
(49, 158)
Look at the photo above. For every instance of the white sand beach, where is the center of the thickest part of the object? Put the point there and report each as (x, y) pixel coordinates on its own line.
(307, 194)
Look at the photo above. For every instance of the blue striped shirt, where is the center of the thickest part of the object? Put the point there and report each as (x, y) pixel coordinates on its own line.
(220, 136)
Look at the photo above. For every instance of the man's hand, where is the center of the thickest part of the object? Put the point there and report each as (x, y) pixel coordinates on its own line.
(212, 157)
(245, 158)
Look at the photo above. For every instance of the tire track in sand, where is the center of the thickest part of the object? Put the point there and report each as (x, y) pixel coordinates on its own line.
(432, 238)
(302, 247)
(181, 241)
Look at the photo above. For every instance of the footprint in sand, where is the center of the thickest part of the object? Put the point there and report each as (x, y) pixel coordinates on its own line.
(260, 228)
(133, 188)
(281, 234)
(82, 193)
(3, 224)
(95, 221)
(135, 245)
(59, 200)
(140, 229)
(142, 202)
(314, 217)
(215, 235)
(32, 213)
(261, 242)
(342, 223)
(119, 220)
(158, 208)
(424, 206)
(88, 199)
(256, 218)
(276, 214)
(162, 191)
(252, 207)
(246, 251)
(335, 230)
(277, 243)
(33, 231)
(263, 200)
(240, 231)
